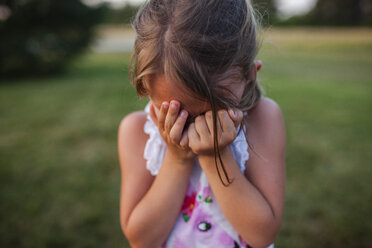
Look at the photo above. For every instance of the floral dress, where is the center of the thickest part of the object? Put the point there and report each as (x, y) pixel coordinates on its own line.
(201, 222)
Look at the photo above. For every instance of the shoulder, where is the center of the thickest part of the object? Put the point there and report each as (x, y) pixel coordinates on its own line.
(131, 136)
(266, 114)
(132, 123)
(265, 125)
(265, 109)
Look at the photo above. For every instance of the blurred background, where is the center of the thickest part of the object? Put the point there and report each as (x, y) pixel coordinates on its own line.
(64, 89)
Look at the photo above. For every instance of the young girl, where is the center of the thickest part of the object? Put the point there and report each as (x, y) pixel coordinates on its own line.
(204, 164)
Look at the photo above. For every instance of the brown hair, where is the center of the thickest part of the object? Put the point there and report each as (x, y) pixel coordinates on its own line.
(198, 43)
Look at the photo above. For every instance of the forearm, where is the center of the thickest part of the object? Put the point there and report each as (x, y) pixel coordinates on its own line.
(153, 218)
(242, 204)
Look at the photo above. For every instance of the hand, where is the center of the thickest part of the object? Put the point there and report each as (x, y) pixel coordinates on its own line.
(171, 123)
(200, 132)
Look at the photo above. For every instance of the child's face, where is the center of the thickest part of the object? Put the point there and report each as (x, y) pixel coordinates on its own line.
(162, 90)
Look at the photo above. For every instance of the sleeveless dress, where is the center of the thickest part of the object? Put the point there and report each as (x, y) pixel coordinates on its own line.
(201, 223)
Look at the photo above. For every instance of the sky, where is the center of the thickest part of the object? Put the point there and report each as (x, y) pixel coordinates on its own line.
(293, 7)
(286, 7)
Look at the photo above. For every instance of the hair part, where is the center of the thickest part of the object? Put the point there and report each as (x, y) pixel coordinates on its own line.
(199, 44)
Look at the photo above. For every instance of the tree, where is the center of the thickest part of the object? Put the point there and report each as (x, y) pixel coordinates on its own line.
(123, 15)
(342, 12)
(41, 36)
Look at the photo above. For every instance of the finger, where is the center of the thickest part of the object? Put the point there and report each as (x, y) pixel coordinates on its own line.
(193, 136)
(258, 64)
(236, 116)
(225, 120)
(209, 120)
(162, 114)
(171, 115)
(184, 143)
(201, 126)
(176, 132)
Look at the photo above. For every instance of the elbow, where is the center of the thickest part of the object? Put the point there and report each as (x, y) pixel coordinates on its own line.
(130, 235)
(138, 243)
(133, 237)
(138, 235)
(262, 241)
(138, 239)
(265, 235)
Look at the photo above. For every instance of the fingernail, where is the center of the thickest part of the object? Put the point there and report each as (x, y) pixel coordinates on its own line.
(165, 105)
(174, 105)
(183, 113)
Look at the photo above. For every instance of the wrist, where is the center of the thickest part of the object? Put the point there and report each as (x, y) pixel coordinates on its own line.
(185, 161)
(205, 159)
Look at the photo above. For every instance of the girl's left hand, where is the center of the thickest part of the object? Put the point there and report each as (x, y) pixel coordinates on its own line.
(200, 132)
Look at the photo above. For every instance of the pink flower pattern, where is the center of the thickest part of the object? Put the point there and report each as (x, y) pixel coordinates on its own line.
(188, 206)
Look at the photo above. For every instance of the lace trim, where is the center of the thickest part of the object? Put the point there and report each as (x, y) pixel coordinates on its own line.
(239, 149)
(155, 146)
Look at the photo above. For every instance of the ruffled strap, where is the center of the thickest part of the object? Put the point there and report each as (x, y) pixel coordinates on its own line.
(155, 146)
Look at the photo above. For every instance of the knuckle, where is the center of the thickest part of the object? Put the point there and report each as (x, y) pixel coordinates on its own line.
(167, 126)
(183, 144)
(173, 140)
(173, 137)
(164, 135)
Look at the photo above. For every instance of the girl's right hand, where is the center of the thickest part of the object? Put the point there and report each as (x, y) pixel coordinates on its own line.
(171, 124)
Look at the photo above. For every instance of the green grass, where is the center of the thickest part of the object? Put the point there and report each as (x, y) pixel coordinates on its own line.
(325, 92)
(60, 175)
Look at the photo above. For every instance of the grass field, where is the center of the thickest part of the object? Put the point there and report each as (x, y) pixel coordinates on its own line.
(60, 176)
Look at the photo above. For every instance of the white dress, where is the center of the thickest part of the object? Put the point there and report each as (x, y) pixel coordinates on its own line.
(201, 222)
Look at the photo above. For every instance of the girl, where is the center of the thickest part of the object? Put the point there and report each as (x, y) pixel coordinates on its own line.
(204, 164)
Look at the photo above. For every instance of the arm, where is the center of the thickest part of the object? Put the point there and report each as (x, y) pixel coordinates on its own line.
(253, 203)
(149, 206)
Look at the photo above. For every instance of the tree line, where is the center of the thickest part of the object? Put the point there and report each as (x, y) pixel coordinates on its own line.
(41, 36)
(325, 12)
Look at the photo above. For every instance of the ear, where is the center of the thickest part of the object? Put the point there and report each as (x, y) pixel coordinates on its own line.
(258, 64)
